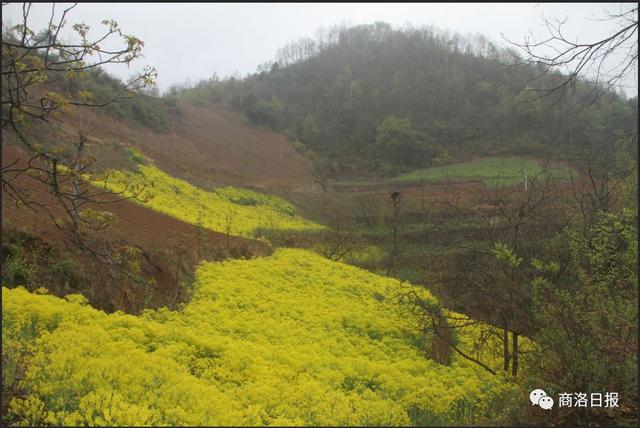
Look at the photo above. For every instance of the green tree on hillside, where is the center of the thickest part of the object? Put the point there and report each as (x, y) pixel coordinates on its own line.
(397, 142)
(309, 130)
(356, 96)
(588, 316)
(528, 108)
(263, 113)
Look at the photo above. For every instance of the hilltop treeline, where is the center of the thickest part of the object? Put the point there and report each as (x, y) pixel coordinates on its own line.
(394, 99)
(378, 96)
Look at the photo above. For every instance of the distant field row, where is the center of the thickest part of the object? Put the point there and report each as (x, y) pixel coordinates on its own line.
(493, 171)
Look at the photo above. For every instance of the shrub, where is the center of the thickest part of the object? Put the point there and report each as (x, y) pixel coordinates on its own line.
(16, 270)
(134, 156)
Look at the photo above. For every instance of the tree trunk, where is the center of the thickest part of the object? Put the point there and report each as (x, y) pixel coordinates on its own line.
(505, 342)
(514, 365)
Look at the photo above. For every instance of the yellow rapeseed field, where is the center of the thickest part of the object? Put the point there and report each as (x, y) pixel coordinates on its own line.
(230, 210)
(290, 339)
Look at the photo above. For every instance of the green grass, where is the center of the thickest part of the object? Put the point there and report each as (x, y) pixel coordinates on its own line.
(134, 156)
(493, 171)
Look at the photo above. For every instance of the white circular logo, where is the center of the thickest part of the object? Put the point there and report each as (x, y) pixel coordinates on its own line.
(540, 398)
(546, 402)
(536, 395)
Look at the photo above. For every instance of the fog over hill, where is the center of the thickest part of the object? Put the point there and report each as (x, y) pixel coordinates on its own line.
(217, 34)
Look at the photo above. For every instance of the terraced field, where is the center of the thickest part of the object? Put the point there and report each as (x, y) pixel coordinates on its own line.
(492, 171)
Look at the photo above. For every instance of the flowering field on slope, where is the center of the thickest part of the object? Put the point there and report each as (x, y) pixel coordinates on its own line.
(289, 339)
(227, 209)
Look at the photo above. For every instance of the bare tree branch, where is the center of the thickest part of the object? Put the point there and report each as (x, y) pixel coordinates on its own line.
(587, 60)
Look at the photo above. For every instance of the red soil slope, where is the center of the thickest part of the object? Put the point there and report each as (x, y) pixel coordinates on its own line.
(209, 147)
(161, 238)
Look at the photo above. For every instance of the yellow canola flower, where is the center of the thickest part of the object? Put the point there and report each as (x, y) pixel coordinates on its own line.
(230, 210)
(290, 339)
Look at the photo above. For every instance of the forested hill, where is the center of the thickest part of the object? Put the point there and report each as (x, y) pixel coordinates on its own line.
(376, 97)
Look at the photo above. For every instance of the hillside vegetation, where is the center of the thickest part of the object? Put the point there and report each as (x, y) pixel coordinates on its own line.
(289, 339)
(375, 96)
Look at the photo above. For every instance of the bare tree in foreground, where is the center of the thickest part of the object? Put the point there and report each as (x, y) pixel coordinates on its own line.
(43, 78)
(608, 61)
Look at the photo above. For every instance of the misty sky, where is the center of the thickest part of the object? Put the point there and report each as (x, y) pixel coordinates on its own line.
(192, 41)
